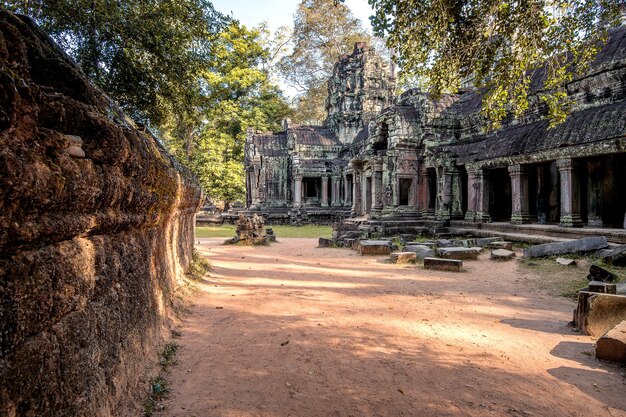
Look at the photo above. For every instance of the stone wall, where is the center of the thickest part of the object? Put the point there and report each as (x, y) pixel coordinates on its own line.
(96, 224)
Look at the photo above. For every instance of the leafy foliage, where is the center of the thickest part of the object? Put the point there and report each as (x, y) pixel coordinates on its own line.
(497, 44)
(323, 32)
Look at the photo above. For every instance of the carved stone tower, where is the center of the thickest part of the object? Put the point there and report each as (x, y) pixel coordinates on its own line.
(361, 86)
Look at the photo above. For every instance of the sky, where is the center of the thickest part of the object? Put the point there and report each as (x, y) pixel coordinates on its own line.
(279, 12)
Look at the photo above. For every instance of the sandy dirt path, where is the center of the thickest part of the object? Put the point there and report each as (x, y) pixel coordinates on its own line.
(296, 330)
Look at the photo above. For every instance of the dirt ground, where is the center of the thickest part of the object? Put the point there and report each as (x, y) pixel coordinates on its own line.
(296, 330)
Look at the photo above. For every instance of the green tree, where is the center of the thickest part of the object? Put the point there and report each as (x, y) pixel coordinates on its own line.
(145, 54)
(498, 44)
(322, 33)
(237, 94)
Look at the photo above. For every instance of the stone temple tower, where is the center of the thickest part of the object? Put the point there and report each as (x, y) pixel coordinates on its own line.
(361, 86)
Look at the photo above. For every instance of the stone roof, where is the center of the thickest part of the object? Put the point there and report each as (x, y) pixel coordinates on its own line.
(271, 144)
(315, 136)
(582, 127)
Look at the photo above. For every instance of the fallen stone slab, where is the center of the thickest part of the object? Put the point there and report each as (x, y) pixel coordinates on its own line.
(586, 244)
(444, 243)
(458, 253)
(484, 241)
(420, 251)
(597, 273)
(565, 262)
(616, 256)
(501, 245)
(612, 345)
(402, 257)
(452, 265)
(326, 243)
(502, 255)
(602, 287)
(596, 313)
(374, 247)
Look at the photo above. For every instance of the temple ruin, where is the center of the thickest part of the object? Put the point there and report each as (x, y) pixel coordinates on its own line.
(407, 160)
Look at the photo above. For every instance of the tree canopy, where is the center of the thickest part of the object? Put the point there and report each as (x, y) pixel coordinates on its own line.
(497, 44)
(322, 33)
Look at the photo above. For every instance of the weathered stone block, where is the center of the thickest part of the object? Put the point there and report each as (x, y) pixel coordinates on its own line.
(452, 265)
(484, 241)
(444, 243)
(597, 273)
(420, 251)
(612, 345)
(458, 253)
(374, 247)
(615, 256)
(602, 287)
(598, 313)
(402, 257)
(581, 245)
(326, 243)
(502, 255)
(501, 245)
(565, 262)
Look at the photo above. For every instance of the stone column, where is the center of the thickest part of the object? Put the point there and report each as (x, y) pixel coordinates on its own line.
(470, 214)
(297, 191)
(334, 191)
(347, 191)
(570, 194)
(443, 208)
(482, 197)
(356, 192)
(324, 199)
(427, 210)
(519, 194)
(377, 185)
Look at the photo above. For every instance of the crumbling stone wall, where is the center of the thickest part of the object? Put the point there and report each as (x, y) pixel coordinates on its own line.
(96, 223)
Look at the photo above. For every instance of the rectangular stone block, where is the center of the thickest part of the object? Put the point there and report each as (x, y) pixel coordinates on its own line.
(501, 245)
(374, 247)
(458, 253)
(452, 265)
(602, 287)
(612, 345)
(403, 257)
(596, 313)
(586, 244)
(484, 241)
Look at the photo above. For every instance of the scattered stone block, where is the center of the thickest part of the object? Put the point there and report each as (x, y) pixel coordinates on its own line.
(612, 345)
(444, 243)
(597, 273)
(420, 251)
(326, 243)
(597, 313)
(458, 253)
(586, 244)
(502, 255)
(615, 256)
(485, 241)
(374, 247)
(501, 245)
(348, 242)
(602, 287)
(355, 244)
(402, 257)
(452, 265)
(565, 262)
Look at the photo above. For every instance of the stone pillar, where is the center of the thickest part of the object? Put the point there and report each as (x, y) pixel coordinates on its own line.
(519, 193)
(347, 191)
(425, 197)
(482, 197)
(443, 207)
(377, 186)
(356, 192)
(297, 191)
(335, 191)
(324, 199)
(570, 194)
(472, 186)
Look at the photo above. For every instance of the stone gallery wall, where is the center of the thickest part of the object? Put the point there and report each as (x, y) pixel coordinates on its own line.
(96, 223)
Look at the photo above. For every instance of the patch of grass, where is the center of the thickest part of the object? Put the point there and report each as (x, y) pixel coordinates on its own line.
(199, 265)
(565, 281)
(158, 388)
(281, 231)
(168, 355)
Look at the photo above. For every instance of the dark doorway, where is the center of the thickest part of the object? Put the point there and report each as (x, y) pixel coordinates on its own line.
(605, 198)
(463, 188)
(432, 188)
(368, 194)
(548, 193)
(500, 203)
(404, 194)
(382, 141)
